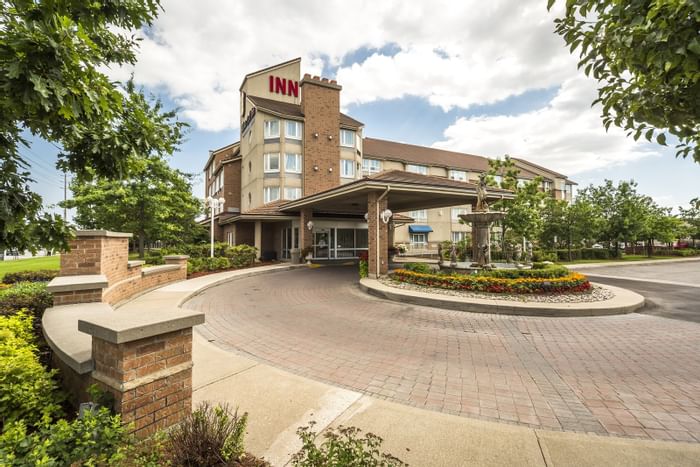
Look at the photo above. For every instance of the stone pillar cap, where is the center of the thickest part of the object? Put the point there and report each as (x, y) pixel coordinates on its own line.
(102, 233)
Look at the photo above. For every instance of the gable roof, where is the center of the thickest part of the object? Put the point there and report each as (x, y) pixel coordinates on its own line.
(266, 69)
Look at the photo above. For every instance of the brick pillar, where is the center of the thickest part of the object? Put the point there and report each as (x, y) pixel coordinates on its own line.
(145, 362)
(305, 235)
(377, 230)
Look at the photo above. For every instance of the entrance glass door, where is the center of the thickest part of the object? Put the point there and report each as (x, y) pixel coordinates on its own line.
(322, 244)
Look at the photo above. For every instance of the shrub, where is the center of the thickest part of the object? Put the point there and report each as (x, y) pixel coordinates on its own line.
(241, 255)
(207, 264)
(27, 390)
(44, 275)
(541, 255)
(572, 282)
(685, 252)
(364, 268)
(418, 267)
(342, 447)
(549, 272)
(32, 296)
(208, 436)
(98, 438)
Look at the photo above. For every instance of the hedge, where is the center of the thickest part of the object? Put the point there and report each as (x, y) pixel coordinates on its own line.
(32, 296)
(572, 282)
(238, 256)
(549, 272)
(43, 275)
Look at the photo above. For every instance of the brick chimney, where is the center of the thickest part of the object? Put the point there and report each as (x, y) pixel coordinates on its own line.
(320, 103)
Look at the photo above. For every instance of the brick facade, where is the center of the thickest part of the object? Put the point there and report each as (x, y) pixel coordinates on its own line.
(320, 105)
(150, 379)
(377, 228)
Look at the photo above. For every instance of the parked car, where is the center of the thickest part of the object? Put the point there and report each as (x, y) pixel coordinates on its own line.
(597, 246)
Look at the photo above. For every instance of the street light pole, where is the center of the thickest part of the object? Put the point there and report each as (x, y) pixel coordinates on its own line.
(214, 203)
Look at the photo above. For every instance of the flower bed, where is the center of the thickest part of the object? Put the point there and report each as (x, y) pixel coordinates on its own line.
(571, 283)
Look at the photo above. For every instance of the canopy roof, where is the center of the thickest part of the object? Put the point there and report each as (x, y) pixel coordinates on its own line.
(406, 191)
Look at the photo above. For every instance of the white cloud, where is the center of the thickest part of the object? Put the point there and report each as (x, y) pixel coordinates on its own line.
(452, 53)
(567, 135)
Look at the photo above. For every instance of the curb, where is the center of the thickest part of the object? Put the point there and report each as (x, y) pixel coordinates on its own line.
(630, 263)
(625, 301)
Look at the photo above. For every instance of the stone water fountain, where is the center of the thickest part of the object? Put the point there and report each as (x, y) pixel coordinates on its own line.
(481, 220)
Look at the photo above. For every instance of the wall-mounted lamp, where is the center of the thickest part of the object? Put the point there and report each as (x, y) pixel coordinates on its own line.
(386, 215)
(315, 135)
(330, 137)
(310, 225)
(315, 168)
(366, 217)
(330, 169)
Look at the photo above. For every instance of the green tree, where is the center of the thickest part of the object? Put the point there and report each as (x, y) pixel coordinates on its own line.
(153, 201)
(51, 87)
(645, 55)
(522, 212)
(570, 224)
(691, 216)
(661, 226)
(623, 211)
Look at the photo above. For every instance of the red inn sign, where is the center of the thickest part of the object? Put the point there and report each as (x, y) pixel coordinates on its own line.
(284, 86)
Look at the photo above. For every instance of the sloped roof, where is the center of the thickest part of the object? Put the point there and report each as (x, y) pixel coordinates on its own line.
(391, 150)
(286, 109)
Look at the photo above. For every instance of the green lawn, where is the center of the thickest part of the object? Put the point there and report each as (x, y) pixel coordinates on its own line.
(30, 264)
(627, 258)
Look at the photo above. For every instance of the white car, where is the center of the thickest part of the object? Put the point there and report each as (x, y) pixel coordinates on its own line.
(597, 246)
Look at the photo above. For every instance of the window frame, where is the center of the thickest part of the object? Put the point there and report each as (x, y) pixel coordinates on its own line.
(347, 132)
(463, 172)
(419, 218)
(267, 190)
(458, 211)
(344, 164)
(267, 127)
(296, 124)
(370, 169)
(266, 162)
(423, 169)
(298, 162)
(296, 189)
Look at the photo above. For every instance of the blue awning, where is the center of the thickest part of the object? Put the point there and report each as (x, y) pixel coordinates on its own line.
(419, 229)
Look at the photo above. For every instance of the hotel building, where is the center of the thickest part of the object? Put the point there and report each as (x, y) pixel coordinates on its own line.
(303, 172)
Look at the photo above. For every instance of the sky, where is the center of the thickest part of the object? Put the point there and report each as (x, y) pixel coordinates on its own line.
(488, 78)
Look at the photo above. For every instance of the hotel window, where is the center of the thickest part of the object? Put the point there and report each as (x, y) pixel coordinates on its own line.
(419, 215)
(498, 179)
(292, 163)
(272, 128)
(229, 238)
(459, 175)
(417, 169)
(271, 193)
(418, 239)
(347, 168)
(272, 162)
(522, 182)
(371, 166)
(546, 185)
(458, 236)
(347, 138)
(292, 193)
(456, 212)
(292, 130)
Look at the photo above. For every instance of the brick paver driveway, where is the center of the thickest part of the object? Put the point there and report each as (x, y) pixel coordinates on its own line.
(632, 375)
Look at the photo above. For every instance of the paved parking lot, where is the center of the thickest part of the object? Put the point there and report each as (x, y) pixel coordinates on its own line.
(687, 272)
(633, 375)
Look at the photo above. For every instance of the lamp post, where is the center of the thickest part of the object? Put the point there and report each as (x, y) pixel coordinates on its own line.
(213, 203)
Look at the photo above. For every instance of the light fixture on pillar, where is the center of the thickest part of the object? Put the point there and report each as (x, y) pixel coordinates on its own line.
(386, 215)
(310, 225)
(366, 216)
(213, 204)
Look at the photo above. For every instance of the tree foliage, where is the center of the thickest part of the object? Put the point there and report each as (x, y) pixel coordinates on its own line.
(51, 86)
(523, 212)
(691, 216)
(153, 201)
(645, 55)
(569, 225)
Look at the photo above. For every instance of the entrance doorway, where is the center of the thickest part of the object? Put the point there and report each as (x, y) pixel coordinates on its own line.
(336, 243)
(322, 244)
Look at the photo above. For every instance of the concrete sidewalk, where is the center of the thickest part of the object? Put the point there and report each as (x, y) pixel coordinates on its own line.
(279, 402)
